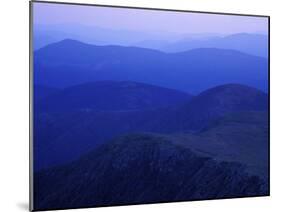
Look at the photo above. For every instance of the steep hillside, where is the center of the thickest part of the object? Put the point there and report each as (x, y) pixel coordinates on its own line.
(142, 168)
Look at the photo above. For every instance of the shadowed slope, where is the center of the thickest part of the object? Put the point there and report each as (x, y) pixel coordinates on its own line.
(66, 136)
(112, 96)
(142, 168)
(220, 100)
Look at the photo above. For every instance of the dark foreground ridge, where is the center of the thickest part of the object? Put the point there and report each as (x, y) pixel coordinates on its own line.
(142, 168)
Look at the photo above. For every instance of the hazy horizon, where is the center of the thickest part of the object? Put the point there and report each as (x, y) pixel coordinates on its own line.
(147, 21)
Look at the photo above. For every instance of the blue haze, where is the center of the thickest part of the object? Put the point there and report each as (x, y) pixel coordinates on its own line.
(142, 106)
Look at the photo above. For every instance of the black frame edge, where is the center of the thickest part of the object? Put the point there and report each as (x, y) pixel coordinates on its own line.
(31, 192)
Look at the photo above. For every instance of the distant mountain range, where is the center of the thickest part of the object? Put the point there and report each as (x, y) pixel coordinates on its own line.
(46, 34)
(66, 135)
(251, 43)
(192, 71)
(254, 44)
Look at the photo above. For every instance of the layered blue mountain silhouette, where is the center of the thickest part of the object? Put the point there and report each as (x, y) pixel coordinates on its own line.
(255, 44)
(251, 43)
(68, 134)
(218, 101)
(117, 125)
(84, 63)
(45, 35)
(112, 96)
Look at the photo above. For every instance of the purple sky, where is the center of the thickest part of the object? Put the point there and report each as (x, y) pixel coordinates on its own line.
(146, 20)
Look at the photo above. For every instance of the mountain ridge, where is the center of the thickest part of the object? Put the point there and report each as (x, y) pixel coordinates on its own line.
(254, 44)
(64, 129)
(155, 169)
(94, 63)
(113, 95)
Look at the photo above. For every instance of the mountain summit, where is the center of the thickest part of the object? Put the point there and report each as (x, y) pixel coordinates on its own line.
(221, 100)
